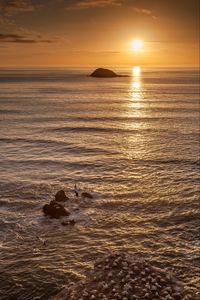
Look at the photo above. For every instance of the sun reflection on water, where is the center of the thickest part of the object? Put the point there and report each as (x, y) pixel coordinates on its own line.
(135, 145)
(136, 86)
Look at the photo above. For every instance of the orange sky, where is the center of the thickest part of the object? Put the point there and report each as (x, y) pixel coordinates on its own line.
(98, 32)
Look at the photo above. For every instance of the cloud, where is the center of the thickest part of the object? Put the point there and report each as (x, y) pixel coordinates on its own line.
(6, 21)
(87, 4)
(17, 38)
(10, 7)
(144, 11)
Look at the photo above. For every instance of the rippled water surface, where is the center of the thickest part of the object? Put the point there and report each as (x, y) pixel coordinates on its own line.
(132, 141)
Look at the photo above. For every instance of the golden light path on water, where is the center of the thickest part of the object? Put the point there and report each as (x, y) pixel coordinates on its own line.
(136, 88)
(135, 145)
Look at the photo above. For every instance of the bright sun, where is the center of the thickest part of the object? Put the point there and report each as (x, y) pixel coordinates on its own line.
(137, 45)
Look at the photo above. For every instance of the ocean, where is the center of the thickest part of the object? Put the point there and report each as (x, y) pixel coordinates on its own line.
(133, 142)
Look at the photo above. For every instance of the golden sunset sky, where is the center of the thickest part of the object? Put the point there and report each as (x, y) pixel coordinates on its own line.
(99, 32)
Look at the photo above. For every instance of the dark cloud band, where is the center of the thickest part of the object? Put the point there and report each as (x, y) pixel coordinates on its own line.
(16, 38)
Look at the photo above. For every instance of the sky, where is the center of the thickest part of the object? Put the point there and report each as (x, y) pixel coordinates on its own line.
(99, 32)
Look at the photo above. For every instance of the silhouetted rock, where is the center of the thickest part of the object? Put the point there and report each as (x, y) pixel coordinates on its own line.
(86, 195)
(100, 72)
(55, 210)
(60, 196)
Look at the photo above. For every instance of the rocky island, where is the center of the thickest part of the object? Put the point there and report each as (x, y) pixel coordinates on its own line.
(105, 73)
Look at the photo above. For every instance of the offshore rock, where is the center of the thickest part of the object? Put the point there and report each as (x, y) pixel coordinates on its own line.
(55, 210)
(86, 195)
(104, 73)
(60, 196)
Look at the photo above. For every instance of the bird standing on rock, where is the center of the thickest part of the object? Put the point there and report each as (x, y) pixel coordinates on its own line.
(76, 190)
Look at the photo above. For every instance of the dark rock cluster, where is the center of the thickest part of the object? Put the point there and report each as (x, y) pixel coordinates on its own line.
(119, 277)
(54, 209)
(60, 196)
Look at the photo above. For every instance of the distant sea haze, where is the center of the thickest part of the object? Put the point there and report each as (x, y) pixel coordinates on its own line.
(131, 141)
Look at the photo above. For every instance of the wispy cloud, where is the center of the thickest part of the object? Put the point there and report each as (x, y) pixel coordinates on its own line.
(17, 38)
(87, 4)
(144, 11)
(10, 7)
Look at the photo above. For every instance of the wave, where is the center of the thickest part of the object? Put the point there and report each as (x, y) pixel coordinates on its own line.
(103, 162)
(60, 146)
(180, 218)
(89, 119)
(115, 130)
(20, 204)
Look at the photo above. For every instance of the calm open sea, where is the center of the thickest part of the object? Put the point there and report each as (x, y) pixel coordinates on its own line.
(132, 141)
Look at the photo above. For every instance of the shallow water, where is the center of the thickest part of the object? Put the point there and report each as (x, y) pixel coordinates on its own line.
(132, 141)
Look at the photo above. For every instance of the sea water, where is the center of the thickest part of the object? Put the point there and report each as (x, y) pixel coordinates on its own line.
(133, 142)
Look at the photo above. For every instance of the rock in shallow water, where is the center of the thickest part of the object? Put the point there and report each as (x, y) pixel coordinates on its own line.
(86, 195)
(55, 210)
(119, 277)
(60, 196)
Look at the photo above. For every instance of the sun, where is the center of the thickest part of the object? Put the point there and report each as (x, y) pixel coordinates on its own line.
(137, 45)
